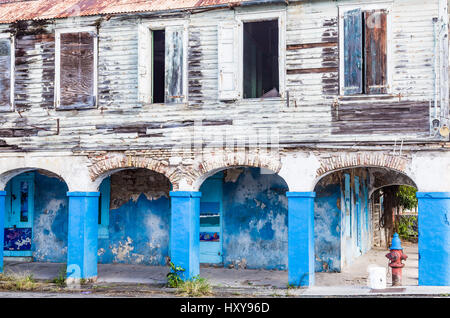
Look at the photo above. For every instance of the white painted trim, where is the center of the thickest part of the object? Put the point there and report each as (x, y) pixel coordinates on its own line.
(342, 8)
(161, 25)
(58, 33)
(279, 15)
(12, 54)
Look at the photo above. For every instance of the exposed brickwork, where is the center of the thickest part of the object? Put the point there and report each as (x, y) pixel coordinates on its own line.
(332, 162)
(177, 168)
(130, 184)
(222, 160)
(108, 163)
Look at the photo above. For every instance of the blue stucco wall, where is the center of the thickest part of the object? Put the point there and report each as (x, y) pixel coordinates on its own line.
(255, 221)
(138, 233)
(327, 228)
(49, 242)
(342, 223)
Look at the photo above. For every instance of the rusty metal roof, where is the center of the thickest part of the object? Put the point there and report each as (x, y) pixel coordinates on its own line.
(15, 10)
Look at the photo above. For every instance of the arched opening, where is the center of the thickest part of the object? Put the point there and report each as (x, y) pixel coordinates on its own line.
(36, 217)
(244, 219)
(349, 218)
(134, 218)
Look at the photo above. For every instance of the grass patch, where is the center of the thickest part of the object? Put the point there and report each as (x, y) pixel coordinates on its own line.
(19, 281)
(195, 287)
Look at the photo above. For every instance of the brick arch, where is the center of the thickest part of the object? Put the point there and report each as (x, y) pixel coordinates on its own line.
(105, 167)
(211, 164)
(335, 162)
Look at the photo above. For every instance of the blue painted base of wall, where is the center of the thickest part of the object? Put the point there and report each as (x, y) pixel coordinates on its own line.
(255, 222)
(138, 233)
(434, 238)
(327, 228)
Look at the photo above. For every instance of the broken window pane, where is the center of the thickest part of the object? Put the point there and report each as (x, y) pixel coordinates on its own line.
(261, 74)
(158, 65)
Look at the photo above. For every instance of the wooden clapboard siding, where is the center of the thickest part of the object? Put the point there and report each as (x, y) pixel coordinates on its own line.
(315, 112)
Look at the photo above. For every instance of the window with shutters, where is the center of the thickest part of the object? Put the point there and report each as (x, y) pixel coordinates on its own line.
(364, 51)
(251, 56)
(76, 68)
(6, 72)
(162, 62)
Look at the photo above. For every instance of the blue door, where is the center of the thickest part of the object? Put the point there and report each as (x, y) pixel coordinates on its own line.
(211, 220)
(19, 212)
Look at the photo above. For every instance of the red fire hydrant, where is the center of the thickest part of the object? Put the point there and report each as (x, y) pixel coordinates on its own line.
(396, 256)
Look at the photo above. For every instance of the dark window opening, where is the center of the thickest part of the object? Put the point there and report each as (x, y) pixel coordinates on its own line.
(261, 73)
(159, 44)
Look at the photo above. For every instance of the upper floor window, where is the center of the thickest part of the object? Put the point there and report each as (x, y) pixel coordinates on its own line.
(6, 72)
(76, 68)
(162, 62)
(364, 51)
(251, 56)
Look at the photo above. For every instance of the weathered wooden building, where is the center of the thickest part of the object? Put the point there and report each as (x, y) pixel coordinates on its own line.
(244, 133)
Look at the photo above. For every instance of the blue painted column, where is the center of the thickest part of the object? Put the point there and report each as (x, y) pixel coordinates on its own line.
(185, 231)
(301, 238)
(83, 235)
(434, 238)
(2, 226)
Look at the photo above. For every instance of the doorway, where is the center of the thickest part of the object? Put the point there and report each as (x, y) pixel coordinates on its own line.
(19, 216)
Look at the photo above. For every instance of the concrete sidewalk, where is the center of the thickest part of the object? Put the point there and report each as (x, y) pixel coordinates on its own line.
(350, 282)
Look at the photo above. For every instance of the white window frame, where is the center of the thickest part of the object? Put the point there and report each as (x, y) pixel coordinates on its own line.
(259, 16)
(156, 26)
(342, 9)
(58, 33)
(4, 108)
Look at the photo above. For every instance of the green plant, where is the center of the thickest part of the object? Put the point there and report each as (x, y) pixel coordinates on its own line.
(195, 287)
(174, 279)
(60, 280)
(406, 196)
(407, 227)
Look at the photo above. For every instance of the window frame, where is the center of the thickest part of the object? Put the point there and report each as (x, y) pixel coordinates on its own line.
(11, 107)
(58, 32)
(260, 16)
(150, 26)
(342, 9)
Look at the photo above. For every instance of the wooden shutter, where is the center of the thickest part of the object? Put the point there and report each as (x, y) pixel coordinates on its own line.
(174, 88)
(77, 70)
(353, 62)
(5, 74)
(375, 52)
(228, 62)
(145, 64)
